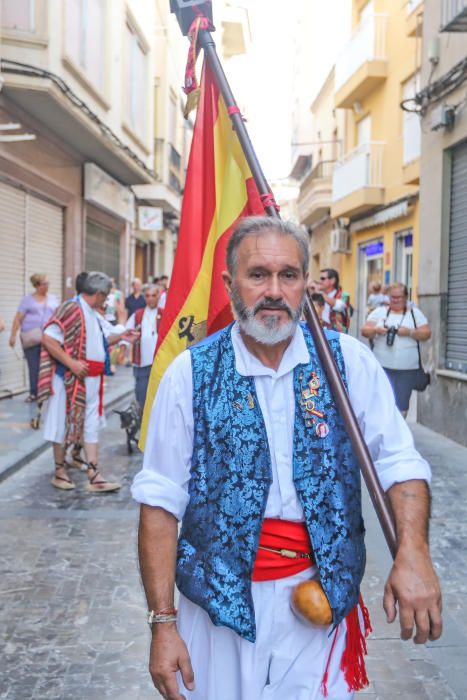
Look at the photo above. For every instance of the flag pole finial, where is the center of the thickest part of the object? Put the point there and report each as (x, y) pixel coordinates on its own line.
(187, 11)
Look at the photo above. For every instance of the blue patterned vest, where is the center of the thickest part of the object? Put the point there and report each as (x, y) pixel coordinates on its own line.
(230, 480)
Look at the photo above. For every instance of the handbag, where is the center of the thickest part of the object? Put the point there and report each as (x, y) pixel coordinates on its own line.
(31, 338)
(422, 378)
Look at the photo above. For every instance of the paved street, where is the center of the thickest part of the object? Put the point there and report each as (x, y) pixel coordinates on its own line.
(72, 611)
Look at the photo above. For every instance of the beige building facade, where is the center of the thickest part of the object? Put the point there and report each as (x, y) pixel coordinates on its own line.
(443, 215)
(375, 183)
(327, 244)
(76, 118)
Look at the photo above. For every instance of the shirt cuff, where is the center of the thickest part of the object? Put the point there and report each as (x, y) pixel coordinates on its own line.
(156, 490)
(405, 470)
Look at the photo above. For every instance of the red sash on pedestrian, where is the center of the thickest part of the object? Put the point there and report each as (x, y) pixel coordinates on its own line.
(96, 369)
(286, 535)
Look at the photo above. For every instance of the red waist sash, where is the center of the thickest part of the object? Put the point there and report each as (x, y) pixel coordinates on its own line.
(282, 534)
(96, 369)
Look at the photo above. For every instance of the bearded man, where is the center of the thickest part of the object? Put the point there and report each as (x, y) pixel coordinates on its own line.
(247, 449)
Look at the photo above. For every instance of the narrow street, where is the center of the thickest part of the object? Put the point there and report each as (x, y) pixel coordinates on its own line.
(72, 610)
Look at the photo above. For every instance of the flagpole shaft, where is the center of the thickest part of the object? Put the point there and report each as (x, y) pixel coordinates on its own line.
(333, 376)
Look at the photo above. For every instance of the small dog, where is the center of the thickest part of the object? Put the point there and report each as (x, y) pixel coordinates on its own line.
(130, 421)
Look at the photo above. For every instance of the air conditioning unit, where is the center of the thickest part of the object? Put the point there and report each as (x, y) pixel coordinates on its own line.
(340, 240)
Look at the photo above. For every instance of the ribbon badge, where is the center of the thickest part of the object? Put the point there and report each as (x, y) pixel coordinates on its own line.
(310, 395)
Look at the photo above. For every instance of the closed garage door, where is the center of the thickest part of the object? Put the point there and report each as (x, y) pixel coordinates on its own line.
(456, 346)
(102, 250)
(31, 240)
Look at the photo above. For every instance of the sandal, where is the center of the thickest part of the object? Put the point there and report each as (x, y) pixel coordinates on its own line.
(75, 461)
(97, 484)
(60, 482)
(31, 398)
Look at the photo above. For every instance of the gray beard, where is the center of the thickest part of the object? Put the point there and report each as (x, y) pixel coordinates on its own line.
(270, 331)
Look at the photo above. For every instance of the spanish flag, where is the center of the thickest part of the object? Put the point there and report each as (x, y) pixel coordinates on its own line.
(219, 191)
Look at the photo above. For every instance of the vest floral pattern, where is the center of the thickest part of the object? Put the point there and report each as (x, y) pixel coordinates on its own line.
(231, 476)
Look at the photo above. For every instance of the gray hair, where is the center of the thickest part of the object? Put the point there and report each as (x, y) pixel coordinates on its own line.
(97, 282)
(256, 226)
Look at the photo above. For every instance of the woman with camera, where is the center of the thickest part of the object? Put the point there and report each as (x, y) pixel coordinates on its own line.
(396, 331)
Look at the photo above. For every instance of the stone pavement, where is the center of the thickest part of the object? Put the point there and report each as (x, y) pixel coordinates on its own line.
(72, 610)
(19, 443)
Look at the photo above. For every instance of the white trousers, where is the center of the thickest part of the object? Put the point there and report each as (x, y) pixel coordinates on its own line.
(287, 661)
(55, 419)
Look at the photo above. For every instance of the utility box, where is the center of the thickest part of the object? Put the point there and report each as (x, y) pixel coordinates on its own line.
(187, 10)
(443, 117)
(340, 240)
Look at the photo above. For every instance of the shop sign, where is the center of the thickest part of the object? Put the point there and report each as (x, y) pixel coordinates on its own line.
(150, 219)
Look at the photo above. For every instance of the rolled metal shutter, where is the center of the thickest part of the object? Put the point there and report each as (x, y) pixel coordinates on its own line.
(456, 346)
(102, 250)
(12, 284)
(44, 242)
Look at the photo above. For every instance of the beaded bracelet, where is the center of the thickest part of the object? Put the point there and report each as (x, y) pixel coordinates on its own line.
(166, 615)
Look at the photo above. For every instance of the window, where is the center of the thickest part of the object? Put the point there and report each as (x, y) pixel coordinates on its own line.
(84, 34)
(136, 103)
(19, 15)
(411, 122)
(172, 126)
(403, 260)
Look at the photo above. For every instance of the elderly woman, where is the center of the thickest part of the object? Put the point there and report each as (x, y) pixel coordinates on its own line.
(33, 313)
(396, 330)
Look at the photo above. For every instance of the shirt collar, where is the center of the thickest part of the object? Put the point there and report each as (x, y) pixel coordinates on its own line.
(248, 365)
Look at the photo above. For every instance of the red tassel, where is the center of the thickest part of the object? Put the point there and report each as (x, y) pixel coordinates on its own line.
(353, 661)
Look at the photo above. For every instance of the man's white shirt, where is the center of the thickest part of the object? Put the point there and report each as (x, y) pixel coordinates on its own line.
(338, 306)
(148, 334)
(163, 480)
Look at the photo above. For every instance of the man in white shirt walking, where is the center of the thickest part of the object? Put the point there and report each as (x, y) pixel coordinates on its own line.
(246, 446)
(336, 310)
(145, 321)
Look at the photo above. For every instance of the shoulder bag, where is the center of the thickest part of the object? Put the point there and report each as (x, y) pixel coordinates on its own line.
(422, 378)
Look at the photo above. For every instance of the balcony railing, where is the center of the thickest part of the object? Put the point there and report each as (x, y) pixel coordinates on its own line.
(175, 183)
(323, 169)
(412, 5)
(412, 137)
(367, 43)
(361, 168)
(175, 158)
(454, 15)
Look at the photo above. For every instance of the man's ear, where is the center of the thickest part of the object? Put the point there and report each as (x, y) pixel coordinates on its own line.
(227, 280)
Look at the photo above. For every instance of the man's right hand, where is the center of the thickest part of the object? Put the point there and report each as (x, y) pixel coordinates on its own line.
(78, 368)
(169, 655)
(381, 330)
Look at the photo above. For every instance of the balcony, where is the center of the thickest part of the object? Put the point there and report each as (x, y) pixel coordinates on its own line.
(414, 18)
(412, 136)
(454, 16)
(362, 65)
(315, 198)
(357, 182)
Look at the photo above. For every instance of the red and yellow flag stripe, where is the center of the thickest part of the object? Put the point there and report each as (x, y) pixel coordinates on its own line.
(219, 190)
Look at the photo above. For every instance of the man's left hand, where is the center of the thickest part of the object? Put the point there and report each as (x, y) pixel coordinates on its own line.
(413, 587)
(130, 336)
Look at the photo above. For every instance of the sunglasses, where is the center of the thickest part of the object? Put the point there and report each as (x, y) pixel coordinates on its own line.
(322, 279)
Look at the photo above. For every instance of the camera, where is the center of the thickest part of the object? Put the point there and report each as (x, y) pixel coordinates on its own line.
(390, 335)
